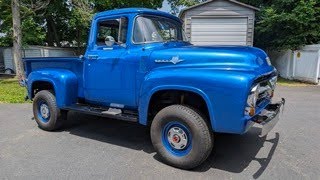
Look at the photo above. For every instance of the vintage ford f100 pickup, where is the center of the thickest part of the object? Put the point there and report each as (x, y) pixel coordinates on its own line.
(139, 67)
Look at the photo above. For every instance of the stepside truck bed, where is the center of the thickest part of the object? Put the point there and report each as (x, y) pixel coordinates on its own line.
(72, 65)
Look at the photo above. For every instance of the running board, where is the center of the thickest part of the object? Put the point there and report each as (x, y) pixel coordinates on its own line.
(112, 113)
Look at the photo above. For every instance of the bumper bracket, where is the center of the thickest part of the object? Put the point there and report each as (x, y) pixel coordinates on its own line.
(269, 117)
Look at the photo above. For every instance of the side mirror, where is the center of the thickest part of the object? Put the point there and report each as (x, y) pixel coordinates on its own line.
(109, 41)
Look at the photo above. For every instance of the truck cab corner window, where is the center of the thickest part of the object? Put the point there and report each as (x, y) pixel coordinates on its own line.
(112, 32)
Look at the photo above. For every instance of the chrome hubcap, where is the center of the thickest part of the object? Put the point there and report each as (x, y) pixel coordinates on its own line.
(44, 110)
(177, 138)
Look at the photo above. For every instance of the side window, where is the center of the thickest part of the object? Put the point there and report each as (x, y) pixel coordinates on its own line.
(112, 31)
(148, 29)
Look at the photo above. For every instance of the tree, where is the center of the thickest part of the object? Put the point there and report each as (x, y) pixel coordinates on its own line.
(28, 23)
(288, 24)
(177, 4)
(16, 50)
(5, 22)
(102, 5)
(59, 22)
(81, 15)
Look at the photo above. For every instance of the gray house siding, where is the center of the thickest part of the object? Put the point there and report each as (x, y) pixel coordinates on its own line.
(223, 10)
(33, 51)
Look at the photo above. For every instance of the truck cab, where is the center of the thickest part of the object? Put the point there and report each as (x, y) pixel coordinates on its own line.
(140, 67)
(120, 45)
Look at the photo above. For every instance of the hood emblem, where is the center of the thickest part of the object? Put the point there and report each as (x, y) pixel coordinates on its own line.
(173, 60)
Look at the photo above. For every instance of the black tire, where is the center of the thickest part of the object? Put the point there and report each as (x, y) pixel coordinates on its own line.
(201, 138)
(9, 71)
(56, 116)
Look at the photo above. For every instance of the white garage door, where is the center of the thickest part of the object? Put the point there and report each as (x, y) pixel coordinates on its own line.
(219, 31)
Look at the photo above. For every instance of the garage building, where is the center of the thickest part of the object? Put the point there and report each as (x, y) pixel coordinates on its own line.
(219, 22)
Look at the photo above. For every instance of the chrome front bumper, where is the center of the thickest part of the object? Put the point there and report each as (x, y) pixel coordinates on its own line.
(269, 117)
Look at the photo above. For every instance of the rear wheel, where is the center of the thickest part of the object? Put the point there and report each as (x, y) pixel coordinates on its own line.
(181, 136)
(46, 113)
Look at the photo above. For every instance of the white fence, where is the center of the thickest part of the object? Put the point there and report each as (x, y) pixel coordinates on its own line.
(34, 51)
(302, 64)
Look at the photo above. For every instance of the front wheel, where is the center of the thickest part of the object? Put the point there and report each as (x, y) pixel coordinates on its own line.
(181, 136)
(46, 113)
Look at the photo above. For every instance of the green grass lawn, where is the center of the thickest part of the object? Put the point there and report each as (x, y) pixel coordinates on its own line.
(286, 82)
(11, 91)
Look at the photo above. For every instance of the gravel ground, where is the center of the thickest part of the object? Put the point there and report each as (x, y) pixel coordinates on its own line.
(92, 147)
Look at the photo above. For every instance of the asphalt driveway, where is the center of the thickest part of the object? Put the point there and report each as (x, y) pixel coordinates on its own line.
(91, 147)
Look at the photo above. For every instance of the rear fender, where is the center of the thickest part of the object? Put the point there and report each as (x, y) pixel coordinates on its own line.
(64, 82)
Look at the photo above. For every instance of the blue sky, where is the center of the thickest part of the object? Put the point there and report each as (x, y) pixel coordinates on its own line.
(165, 6)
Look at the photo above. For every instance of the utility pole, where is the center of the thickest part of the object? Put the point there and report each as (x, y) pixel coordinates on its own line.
(16, 50)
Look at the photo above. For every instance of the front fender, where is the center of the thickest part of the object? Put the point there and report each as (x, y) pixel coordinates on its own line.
(224, 92)
(64, 82)
(145, 99)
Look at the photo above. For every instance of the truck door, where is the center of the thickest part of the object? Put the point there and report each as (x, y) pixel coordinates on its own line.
(107, 75)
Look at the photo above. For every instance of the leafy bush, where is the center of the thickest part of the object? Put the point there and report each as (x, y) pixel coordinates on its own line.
(288, 24)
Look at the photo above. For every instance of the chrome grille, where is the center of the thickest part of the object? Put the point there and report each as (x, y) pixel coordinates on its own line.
(266, 89)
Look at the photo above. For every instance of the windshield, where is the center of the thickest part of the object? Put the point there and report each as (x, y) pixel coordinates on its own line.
(148, 29)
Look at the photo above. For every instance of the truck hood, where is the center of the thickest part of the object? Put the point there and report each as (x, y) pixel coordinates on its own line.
(217, 57)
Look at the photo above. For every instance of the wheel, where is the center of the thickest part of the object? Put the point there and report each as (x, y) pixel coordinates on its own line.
(8, 71)
(46, 113)
(181, 136)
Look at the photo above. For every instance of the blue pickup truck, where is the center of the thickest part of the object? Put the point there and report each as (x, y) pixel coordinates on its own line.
(139, 67)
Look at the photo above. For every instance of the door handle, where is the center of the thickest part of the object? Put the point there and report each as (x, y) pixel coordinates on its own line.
(93, 57)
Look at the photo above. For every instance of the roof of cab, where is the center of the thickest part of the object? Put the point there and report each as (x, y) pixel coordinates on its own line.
(135, 10)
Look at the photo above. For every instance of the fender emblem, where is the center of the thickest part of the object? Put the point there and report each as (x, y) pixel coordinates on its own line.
(173, 60)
